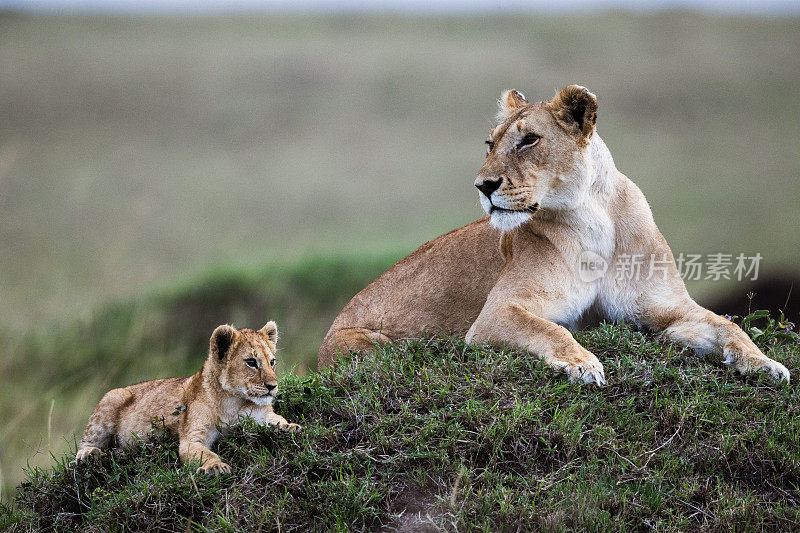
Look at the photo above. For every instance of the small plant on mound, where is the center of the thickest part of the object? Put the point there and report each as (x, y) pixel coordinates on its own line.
(440, 434)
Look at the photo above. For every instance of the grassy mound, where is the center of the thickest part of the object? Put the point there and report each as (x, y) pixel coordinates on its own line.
(440, 434)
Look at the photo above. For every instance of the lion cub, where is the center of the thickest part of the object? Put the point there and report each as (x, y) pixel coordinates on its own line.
(238, 378)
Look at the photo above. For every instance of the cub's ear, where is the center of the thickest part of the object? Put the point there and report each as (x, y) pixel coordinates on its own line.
(221, 341)
(576, 108)
(509, 102)
(270, 331)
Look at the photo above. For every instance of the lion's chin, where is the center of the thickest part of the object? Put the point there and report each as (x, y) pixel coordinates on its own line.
(508, 220)
(262, 400)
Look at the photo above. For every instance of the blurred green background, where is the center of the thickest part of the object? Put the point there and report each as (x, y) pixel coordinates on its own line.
(159, 176)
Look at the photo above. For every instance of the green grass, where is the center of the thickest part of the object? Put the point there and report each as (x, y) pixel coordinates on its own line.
(471, 438)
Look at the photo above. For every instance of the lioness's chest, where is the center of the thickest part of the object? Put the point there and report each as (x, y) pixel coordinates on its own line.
(576, 267)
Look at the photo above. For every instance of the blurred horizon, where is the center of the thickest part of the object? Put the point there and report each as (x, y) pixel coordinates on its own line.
(411, 7)
(135, 151)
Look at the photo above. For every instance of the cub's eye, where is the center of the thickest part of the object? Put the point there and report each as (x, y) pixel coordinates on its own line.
(531, 139)
(252, 363)
(489, 146)
(272, 363)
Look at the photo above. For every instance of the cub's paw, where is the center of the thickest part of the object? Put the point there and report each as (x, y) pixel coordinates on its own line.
(86, 452)
(750, 363)
(214, 468)
(582, 366)
(290, 427)
(281, 423)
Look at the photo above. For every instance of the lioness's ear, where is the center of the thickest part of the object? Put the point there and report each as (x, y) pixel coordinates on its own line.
(509, 101)
(576, 108)
(221, 341)
(270, 331)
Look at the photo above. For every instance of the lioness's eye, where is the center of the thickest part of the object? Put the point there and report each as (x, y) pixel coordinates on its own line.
(529, 140)
(489, 146)
(252, 363)
(272, 363)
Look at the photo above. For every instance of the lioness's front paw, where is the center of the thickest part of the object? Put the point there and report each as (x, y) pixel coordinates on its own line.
(86, 452)
(748, 364)
(582, 366)
(214, 468)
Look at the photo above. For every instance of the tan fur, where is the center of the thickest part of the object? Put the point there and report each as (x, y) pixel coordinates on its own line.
(553, 192)
(200, 408)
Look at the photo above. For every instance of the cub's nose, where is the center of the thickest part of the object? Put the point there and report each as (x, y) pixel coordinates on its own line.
(487, 187)
(270, 386)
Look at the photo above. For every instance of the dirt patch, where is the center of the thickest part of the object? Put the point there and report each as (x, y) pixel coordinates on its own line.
(417, 509)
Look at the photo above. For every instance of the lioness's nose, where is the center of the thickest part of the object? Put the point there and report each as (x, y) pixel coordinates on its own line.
(487, 187)
(270, 386)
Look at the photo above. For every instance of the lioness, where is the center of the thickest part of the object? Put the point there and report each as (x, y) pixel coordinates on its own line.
(238, 378)
(556, 203)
